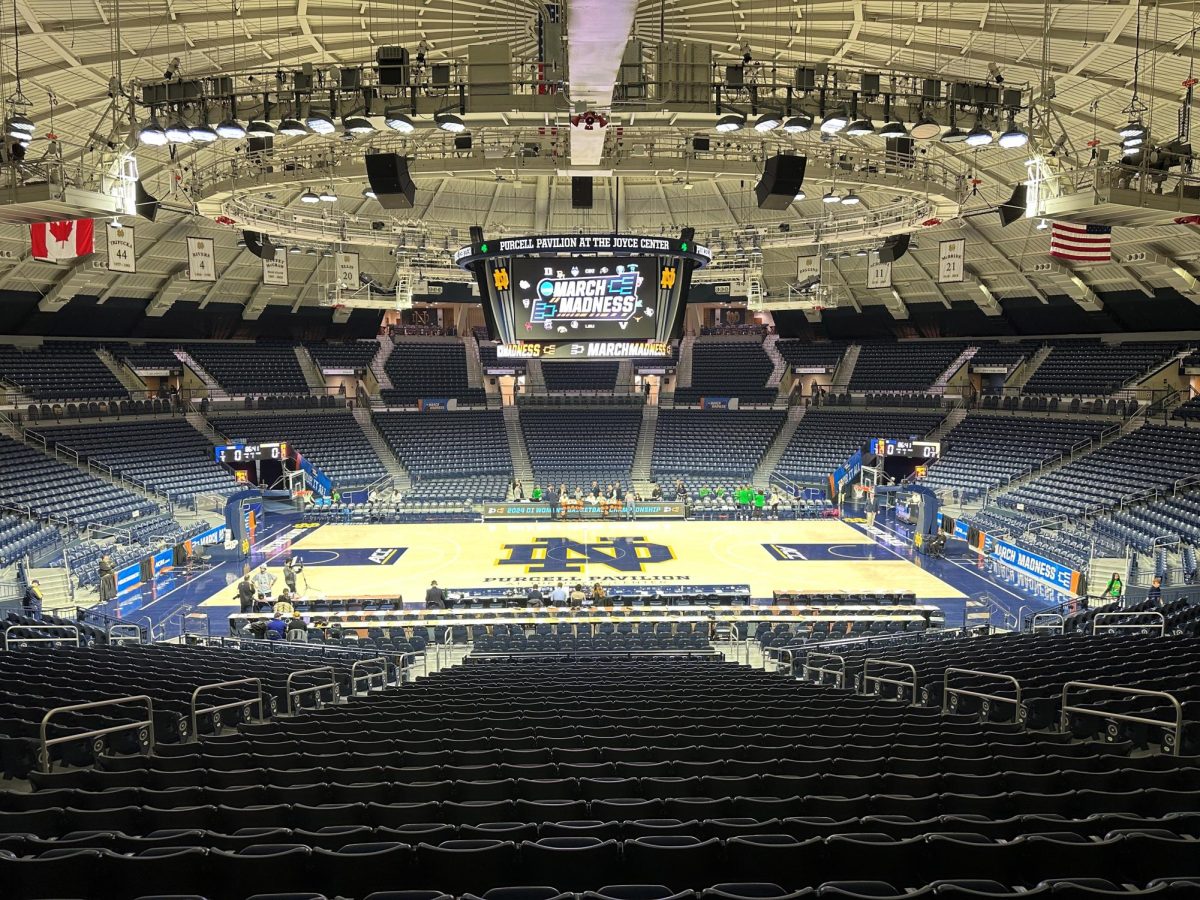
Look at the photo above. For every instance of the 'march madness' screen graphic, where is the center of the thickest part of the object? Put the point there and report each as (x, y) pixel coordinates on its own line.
(607, 299)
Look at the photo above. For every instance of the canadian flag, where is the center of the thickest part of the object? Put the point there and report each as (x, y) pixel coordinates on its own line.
(53, 241)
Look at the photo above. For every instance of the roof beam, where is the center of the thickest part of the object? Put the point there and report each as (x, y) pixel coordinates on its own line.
(1079, 290)
(984, 298)
(933, 281)
(1008, 264)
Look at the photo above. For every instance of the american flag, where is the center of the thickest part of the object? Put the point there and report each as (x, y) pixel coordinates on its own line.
(1081, 243)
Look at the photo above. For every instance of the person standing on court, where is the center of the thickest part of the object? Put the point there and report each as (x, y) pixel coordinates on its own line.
(435, 597)
(291, 568)
(108, 578)
(552, 498)
(246, 594)
(264, 581)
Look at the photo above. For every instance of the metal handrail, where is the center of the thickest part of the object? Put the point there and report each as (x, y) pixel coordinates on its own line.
(791, 660)
(293, 694)
(374, 661)
(1098, 626)
(404, 661)
(823, 670)
(880, 679)
(124, 636)
(41, 640)
(948, 692)
(1176, 726)
(214, 709)
(1043, 622)
(48, 742)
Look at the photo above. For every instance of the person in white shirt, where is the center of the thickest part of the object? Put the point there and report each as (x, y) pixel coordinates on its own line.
(559, 595)
(264, 582)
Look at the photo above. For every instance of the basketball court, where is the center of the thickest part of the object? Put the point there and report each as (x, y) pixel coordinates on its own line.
(400, 560)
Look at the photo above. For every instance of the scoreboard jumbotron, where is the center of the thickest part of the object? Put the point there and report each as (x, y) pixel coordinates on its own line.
(583, 296)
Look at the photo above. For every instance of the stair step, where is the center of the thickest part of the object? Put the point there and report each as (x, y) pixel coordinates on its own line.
(312, 372)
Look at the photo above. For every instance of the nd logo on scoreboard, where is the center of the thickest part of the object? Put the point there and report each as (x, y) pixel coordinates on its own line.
(561, 555)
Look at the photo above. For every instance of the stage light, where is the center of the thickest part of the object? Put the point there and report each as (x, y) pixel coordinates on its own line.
(800, 195)
(893, 129)
(368, 194)
(203, 133)
(831, 197)
(1013, 137)
(1042, 225)
(178, 132)
(925, 128)
(448, 121)
(20, 126)
(1135, 128)
(397, 120)
(860, 252)
(320, 122)
(292, 127)
(114, 222)
(767, 122)
(295, 250)
(152, 134)
(309, 197)
(979, 136)
(15, 132)
(260, 128)
(954, 135)
(358, 125)
(231, 129)
(1133, 142)
(730, 122)
(860, 127)
(798, 124)
(328, 196)
(851, 199)
(835, 121)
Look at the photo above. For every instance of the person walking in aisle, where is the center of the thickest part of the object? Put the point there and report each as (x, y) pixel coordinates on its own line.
(31, 603)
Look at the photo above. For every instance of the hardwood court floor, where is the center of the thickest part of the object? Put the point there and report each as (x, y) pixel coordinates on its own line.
(400, 560)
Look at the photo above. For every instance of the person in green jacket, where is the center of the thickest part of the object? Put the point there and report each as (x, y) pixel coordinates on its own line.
(703, 492)
(742, 497)
(720, 491)
(1115, 588)
(760, 501)
(536, 495)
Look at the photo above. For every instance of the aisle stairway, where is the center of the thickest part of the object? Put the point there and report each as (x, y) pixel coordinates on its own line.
(379, 361)
(474, 365)
(1021, 377)
(312, 372)
(123, 373)
(640, 472)
(770, 461)
(215, 391)
(401, 479)
(683, 370)
(535, 378)
(961, 360)
(845, 369)
(774, 355)
(522, 467)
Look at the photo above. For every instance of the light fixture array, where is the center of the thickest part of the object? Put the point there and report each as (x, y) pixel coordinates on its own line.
(153, 133)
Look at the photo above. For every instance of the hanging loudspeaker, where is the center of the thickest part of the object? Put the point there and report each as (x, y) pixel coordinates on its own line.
(1014, 207)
